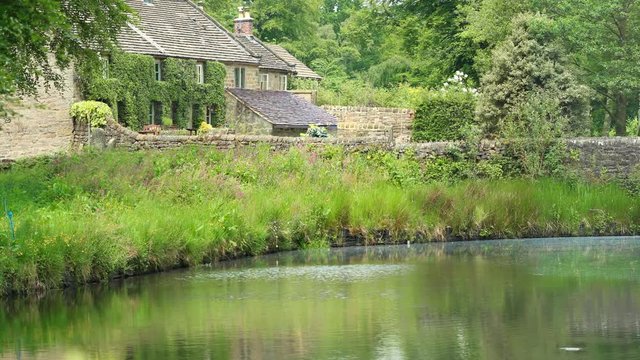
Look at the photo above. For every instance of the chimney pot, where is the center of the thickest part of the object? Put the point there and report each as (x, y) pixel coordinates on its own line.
(243, 25)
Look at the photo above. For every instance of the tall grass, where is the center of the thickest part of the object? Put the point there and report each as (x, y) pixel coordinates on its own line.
(96, 216)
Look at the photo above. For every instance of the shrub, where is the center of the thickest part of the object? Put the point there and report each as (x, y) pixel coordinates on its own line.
(316, 132)
(94, 113)
(167, 121)
(443, 115)
(204, 128)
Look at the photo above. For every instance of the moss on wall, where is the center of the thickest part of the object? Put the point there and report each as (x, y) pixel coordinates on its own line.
(130, 88)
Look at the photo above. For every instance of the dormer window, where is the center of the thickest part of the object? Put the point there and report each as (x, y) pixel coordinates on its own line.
(158, 70)
(200, 73)
(148, 2)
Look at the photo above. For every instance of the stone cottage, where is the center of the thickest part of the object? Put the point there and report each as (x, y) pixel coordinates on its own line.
(179, 29)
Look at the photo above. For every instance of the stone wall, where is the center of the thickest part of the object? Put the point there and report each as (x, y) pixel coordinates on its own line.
(308, 95)
(244, 120)
(115, 135)
(371, 121)
(42, 125)
(252, 76)
(47, 130)
(607, 156)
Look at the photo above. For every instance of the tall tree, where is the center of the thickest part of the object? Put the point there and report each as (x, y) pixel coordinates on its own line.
(37, 37)
(285, 20)
(604, 40)
(432, 32)
(529, 65)
(489, 22)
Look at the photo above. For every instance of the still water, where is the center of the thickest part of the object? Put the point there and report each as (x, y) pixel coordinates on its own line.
(521, 299)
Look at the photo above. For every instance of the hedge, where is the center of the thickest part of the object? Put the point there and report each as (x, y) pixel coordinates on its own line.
(442, 115)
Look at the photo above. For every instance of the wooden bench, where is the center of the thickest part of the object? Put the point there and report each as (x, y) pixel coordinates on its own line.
(151, 129)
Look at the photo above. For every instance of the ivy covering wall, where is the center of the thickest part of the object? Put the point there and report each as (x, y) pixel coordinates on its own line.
(129, 87)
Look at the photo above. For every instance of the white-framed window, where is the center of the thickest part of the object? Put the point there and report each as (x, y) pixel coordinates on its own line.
(158, 69)
(264, 81)
(200, 72)
(283, 82)
(211, 114)
(104, 66)
(239, 78)
(152, 113)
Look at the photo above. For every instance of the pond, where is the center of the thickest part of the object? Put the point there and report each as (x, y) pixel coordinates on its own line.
(516, 299)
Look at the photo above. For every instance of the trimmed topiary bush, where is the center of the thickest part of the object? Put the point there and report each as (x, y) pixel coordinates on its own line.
(94, 113)
(443, 115)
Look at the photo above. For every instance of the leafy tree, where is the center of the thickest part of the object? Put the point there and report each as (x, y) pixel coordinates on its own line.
(223, 10)
(285, 20)
(487, 23)
(603, 38)
(530, 63)
(432, 33)
(336, 12)
(37, 37)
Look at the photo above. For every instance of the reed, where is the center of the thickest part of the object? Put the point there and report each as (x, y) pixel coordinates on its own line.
(95, 216)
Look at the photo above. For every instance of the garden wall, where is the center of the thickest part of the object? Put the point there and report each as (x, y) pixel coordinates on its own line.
(115, 135)
(617, 156)
(354, 121)
(599, 156)
(41, 126)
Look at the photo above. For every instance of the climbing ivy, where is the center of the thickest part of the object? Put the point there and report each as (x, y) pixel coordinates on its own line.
(130, 89)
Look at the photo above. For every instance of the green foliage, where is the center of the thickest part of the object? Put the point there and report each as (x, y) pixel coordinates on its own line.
(604, 39)
(94, 113)
(528, 63)
(359, 93)
(132, 88)
(204, 128)
(285, 20)
(487, 23)
(533, 137)
(443, 115)
(149, 211)
(315, 131)
(39, 37)
(167, 121)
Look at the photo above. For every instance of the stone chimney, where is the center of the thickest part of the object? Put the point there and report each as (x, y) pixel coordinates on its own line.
(243, 25)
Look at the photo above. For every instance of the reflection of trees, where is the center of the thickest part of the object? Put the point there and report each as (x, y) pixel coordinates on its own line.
(461, 302)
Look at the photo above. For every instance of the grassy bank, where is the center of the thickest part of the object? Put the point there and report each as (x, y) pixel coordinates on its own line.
(96, 216)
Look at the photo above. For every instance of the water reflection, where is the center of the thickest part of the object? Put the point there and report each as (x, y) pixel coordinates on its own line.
(525, 299)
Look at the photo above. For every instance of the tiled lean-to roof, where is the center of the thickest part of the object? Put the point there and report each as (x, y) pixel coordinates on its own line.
(178, 28)
(283, 109)
(268, 59)
(302, 70)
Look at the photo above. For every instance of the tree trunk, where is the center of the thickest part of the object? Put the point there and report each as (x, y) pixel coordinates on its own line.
(620, 116)
(606, 124)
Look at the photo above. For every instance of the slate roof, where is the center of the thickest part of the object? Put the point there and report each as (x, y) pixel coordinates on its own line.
(268, 59)
(283, 109)
(302, 70)
(178, 28)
